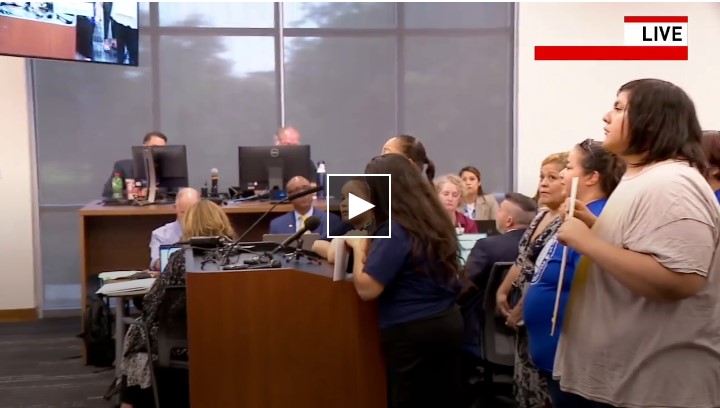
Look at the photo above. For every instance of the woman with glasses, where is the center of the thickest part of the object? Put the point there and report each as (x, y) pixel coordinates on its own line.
(598, 172)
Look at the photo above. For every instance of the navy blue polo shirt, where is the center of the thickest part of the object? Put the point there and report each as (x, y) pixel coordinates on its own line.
(410, 292)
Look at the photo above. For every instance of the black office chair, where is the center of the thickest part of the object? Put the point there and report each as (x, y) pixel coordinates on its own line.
(498, 340)
(171, 336)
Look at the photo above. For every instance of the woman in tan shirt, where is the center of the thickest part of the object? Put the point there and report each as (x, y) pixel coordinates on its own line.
(476, 205)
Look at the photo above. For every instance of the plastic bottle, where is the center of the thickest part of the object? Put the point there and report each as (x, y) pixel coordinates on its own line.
(117, 186)
(321, 172)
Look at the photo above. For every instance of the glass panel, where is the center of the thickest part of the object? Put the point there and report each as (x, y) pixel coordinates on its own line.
(228, 15)
(60, 243)
(87, 117)
(458, 101)
(340, 94)
(458, 15)
(339, 15)
(144, 15)
(217, 93)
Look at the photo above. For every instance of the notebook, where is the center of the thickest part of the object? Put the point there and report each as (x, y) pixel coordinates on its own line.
(165, 252)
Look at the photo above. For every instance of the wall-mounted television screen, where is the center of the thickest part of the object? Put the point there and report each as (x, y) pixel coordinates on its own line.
(71, 30)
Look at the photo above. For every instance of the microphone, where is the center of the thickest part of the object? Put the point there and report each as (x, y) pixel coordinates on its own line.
(206, 242)
(310, 224)
(303, 193)
(214, 177)
(289, 198)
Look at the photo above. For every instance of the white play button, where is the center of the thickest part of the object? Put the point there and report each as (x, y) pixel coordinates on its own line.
(357, 206)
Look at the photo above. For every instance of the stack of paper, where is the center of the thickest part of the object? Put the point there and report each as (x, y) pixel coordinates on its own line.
(109, 276)
(341, 261)
(127, 288)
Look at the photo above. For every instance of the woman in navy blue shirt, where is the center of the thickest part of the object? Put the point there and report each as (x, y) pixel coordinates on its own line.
(711, 144)
(599, 172)
(415, 277)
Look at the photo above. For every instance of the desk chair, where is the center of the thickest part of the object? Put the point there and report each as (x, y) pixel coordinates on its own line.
(498, 340)
(171, 335)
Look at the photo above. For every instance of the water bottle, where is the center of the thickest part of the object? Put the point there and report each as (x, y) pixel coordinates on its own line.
(321, 179)
(117, 186)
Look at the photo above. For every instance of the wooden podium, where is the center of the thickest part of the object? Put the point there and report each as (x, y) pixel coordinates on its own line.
(278, 338)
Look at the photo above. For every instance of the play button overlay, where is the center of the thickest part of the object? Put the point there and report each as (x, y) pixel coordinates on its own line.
(357, 206)
(351, 193)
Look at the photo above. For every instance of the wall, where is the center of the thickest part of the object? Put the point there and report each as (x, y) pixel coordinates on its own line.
(561, 103)
(18, 297)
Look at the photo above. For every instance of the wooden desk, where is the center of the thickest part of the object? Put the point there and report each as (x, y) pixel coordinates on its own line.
(41, 39)
(281, 338)
(117, 237)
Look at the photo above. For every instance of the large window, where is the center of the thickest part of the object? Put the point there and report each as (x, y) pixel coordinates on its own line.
(214, 76)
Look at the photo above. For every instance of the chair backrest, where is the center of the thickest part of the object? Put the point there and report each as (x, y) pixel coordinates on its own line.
(498, 345)
(172, 335)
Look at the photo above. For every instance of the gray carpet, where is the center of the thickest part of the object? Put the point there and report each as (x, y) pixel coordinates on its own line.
(40, 367)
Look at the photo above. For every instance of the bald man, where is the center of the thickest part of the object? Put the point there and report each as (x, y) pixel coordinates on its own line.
(171, 232)
(289, 136)
(303, 208)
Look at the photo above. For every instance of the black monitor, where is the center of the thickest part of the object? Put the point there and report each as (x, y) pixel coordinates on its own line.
(271, 167)
(169, 167)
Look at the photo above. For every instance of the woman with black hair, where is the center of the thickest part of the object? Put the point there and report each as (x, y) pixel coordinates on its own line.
(476, 204)
(643, 316)
(711, 144)
(415, 276)
(414, 150)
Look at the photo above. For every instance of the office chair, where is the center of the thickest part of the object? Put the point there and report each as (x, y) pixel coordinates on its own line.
(171, 335)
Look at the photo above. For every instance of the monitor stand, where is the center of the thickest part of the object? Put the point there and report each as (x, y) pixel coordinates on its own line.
(275, 178)
(152, 180)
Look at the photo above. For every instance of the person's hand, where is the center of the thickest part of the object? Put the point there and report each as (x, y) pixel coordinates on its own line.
(574, 233)
(581, 212)
(357, 244)
(514, 318)
(154, 274)
(503, 306)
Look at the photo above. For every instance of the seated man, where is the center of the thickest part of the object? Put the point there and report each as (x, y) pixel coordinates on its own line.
(126, 167)
(515, 214)
(303, 209)
(171, 232)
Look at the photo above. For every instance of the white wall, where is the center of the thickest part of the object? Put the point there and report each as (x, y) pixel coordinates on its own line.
(18, 202)
(561, 103)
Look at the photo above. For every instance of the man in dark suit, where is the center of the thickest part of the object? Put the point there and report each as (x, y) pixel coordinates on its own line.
(126, 167)
(514, 215)
(303, 208)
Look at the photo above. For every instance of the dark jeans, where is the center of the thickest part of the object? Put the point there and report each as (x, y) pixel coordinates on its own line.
(127, 38)
(423, 359)
(562, 399)
(107, 10)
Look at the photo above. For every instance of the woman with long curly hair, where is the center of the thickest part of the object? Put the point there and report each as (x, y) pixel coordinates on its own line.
(415, 276)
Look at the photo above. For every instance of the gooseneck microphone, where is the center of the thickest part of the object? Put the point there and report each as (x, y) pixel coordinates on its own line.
(310, 224)
(287, 199)
(214, 178)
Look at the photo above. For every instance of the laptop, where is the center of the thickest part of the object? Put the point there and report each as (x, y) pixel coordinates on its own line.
(308, 239)
(487, 227)
(165, 252)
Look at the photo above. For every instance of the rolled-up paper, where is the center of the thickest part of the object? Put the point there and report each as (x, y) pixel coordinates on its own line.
(563, 263)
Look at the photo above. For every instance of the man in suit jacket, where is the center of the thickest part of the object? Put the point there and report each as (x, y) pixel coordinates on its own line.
(126, 167)
(293, 221)
(514, 216)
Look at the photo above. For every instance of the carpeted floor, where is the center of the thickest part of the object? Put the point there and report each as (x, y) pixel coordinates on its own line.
(40, 367)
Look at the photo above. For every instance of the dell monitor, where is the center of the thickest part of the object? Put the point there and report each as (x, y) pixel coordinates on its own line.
(162, 166)
(271, 167)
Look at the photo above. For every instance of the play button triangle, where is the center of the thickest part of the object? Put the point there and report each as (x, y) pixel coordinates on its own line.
(357, 206)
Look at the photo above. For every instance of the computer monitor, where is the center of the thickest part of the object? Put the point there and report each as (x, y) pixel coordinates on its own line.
(271, 167)
(167, 165)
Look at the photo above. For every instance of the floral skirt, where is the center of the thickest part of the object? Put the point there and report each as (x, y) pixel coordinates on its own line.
(530, 388)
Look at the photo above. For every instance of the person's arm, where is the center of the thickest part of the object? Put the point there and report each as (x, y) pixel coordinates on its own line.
(321, 247)
(477, 262)
(501, 297)
(365, 285)
(155, 242)
(686, 246)
(383, 263)
(494, 206)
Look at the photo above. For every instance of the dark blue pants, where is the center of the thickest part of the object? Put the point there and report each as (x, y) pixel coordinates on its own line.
(562, 399)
